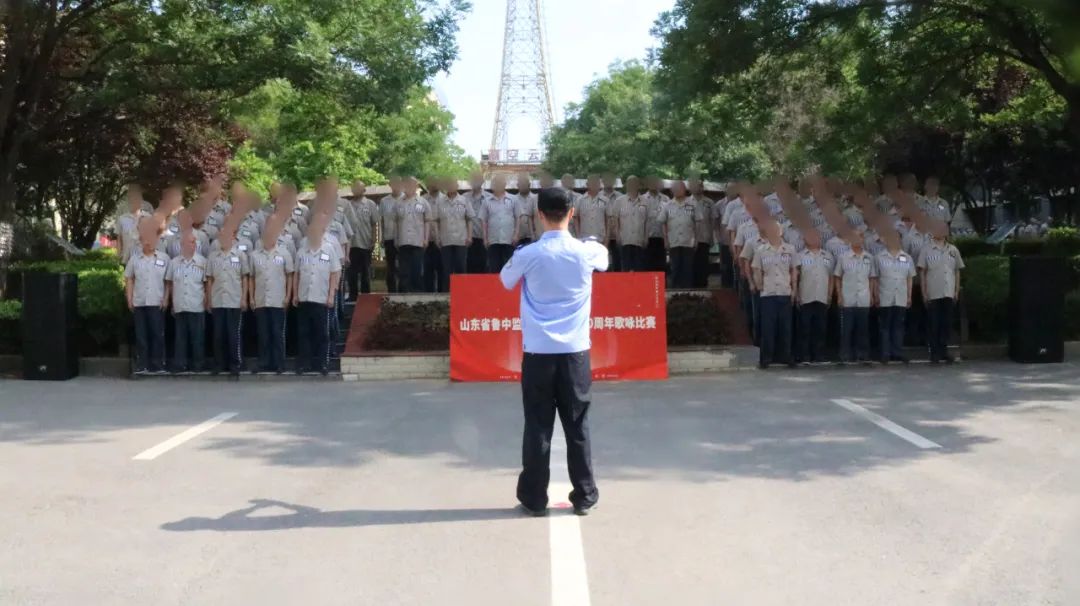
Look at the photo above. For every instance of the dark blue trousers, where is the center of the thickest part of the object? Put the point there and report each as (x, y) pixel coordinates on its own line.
(313, 353)
(149, 338)
(891, 331)
(410, 261)
(270, 322)
(939, 313)
(812, 320)
(775, 342)
(228, 345)
(498, 255)
(189, 344)
(633, 258)
(854, 334)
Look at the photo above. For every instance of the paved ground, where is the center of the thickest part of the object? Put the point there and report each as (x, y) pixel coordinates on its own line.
(745, 488)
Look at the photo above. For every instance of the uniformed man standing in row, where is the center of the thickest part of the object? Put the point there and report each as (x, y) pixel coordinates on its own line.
(476, 261)
(365, 215)
(631, 215)
(454, 216)
(388, 215)
(147, 297)
(525, 211)
(414, 215)
(227, 271)
(816, 266)
(775, 276)
(317, 278)
(678, 220)
(655, 247)
(435, 279)
(939, 266)
(272, 269)
(703, 208)
(186, 279)
(896, 271)
(499, 219)
(127, 224)
(611, 197)
(856, 275)
(591, 212)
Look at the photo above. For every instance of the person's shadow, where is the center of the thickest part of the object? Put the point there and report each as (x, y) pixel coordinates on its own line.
(243, 520)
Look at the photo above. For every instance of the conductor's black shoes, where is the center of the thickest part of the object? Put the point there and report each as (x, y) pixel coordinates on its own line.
(536, 513)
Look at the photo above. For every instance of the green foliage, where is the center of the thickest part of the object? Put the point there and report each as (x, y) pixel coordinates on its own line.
(411, 327)
(251, 169)
(985, 295)
(973, 246)
(1014, 247)
(111, 255)
(694, 320)
(1063, 242)
(11, 310)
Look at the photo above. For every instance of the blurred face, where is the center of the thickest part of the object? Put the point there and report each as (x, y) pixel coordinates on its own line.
(812, 239)
(134, 196)
(410, 186)
(434, 186)
(909, 183)
(653, 183)
(678, 189)
(172, 199)
(476, 181)
(888, 184)
(359, 188)
(933, 186)
(187, 244)
(185, 220)
(498, 186)
(523, 183)
(226, 238)
(148, 233)
(633, 186)
(609, 181)
(451, 187)
(567, 181)
(697, 187)
(395, 185)
(547, 180)
(236, 192)
(594, 185)
(805, 188)
(275, 191)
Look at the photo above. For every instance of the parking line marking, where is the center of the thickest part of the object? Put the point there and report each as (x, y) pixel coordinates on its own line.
(154, 452)
(887, 425)
(569, 579)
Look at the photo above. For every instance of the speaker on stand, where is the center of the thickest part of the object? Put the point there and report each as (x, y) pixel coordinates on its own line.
(50, 316)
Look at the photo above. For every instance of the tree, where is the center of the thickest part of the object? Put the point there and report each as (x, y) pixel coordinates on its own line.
(96, 55)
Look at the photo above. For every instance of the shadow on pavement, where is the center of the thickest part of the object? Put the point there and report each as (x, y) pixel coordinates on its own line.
(242, 520)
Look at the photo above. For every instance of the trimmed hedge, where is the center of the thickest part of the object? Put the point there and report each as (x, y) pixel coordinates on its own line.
(1023, 247)
(695, 320)
(985, 295)
(102, 310)
(10, 326)
(1063, 242)
(973, 246)
(411, 327)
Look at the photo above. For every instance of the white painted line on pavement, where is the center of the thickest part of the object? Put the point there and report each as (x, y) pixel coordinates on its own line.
(569, 579)
(887, 425)
(156, 451)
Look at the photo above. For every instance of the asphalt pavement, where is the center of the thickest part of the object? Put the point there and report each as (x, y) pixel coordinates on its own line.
(899, 485)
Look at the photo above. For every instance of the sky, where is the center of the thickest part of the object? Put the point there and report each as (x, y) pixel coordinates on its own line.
(584, 37)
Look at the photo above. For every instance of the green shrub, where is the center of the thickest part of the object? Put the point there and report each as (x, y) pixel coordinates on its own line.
(102, 254)
(11, 310)
(974, 246)
(1023, 247)
(694, 320)
(1074, 266)
(985, 295)
(411, 327)
(1063, 242)
(1072, 315)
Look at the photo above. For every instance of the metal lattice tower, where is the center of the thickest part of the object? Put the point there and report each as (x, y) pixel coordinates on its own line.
(524, 86)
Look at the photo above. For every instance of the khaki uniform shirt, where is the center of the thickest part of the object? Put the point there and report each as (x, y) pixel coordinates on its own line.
(454, 216)
(854, 216)
(655, 203)
(413, 215)
(941, 262)
(737, 218)
(525, 209)
(794, 237)
(127, 232)
(633, 215)
(188, 277)
(476, 200)
(937, 207)
(815, 272)
(704, 219)
(148, 272)
(893, 273)
(914, 241)
(366, 220)
(681, 220)
(855, 271)
(316, 267)
(746, 234)
(733, 205)
(388, 212)
(611, 199)
(228, 269)
(499, 215)
(433, 202)
(775, 264)
(837, 246)
(718, 212)
(592, 214)
(271, 270)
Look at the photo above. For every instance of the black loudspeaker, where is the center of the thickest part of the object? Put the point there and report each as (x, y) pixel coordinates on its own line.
(50, 315)
(1037, 309)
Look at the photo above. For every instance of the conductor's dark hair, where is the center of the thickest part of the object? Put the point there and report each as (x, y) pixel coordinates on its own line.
(553, 203)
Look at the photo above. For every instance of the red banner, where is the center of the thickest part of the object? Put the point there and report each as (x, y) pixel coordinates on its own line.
(629, 328)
